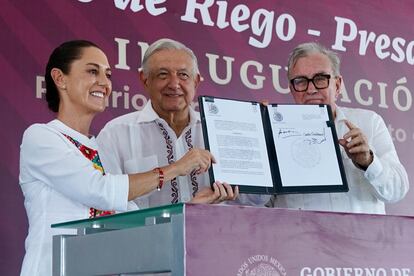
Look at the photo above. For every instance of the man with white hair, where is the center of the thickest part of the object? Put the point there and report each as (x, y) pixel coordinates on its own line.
(164, 131)
(374, 173)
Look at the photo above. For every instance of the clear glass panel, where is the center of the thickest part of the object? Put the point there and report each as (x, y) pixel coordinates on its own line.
(123, 220)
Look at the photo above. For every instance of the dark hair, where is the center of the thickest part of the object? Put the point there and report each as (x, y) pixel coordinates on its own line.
(62, 58)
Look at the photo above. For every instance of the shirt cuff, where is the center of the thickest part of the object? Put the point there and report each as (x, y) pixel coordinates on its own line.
(374, 169)
(120, 184)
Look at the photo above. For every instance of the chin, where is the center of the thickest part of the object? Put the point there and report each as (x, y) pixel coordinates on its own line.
(98, 109)
(175, 107)
(314, 102)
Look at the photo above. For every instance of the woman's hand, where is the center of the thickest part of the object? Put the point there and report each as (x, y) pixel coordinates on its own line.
(195, 159)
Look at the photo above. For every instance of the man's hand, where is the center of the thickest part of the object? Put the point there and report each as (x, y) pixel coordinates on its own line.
(195, 159)
(356, 146)
(220, 192)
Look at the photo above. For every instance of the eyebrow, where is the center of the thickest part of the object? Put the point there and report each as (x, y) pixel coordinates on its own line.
(169, 69)
(97, 65)
(317, 73)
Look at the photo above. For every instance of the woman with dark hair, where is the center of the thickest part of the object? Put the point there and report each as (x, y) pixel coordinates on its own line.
(61, 175)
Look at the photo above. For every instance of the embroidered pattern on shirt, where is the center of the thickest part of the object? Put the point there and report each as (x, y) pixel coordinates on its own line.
(170, 158)
(193, 174)
(93, 156)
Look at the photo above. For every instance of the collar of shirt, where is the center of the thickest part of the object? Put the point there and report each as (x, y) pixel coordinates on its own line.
(148, 114)
(340, 115)
(62, 128)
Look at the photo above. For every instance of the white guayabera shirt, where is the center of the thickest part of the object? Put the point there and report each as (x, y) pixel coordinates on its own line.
(141, 141)
(385, 180)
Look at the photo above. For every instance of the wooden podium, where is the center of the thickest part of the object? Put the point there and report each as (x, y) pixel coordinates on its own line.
(205, 240)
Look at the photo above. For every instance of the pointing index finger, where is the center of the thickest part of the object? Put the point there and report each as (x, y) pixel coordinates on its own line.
(350, 125)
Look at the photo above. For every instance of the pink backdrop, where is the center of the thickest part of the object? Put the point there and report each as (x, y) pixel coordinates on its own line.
(242, 240)
(242, 49)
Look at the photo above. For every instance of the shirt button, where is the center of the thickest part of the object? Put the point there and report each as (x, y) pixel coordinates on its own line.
(186, 199)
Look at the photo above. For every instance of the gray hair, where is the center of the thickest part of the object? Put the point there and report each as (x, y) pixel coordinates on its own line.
(167, 44)
(305, 49)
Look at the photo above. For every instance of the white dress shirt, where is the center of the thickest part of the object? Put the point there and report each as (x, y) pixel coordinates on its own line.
(384, 181)
(60, 184)
(141, 141)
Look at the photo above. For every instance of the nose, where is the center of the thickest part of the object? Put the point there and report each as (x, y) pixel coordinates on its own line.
(174, 82)
(311, 88)
(103, 80)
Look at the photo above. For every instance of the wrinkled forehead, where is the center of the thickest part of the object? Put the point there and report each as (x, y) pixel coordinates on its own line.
(310, 65)
(170, 59)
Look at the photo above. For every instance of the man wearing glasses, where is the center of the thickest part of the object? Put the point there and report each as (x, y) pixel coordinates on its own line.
(374, 173)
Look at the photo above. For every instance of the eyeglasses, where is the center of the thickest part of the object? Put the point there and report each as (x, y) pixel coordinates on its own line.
(301, 84)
